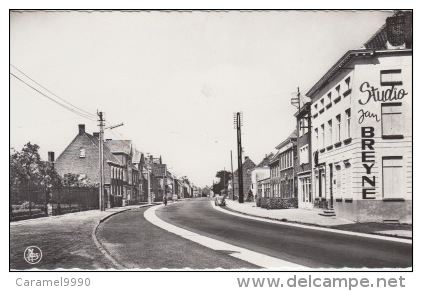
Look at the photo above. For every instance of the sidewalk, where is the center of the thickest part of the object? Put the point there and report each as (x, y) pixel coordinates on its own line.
(66, 240)
(69, 217)
(311, 217)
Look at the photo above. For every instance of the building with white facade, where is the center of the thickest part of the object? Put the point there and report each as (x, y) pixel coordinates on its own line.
(362, 129)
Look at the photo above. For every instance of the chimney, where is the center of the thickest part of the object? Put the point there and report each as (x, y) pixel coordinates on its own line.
(81, 129)
(51, 157)
(96, 134)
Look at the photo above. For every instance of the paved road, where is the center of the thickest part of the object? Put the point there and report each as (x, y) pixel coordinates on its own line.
(307, 247)
(135, 243)
(66, 242)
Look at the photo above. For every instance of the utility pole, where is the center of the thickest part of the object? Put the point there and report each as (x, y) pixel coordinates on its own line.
(239, 123)
(231, 160)
(101, 160)
(224, 179)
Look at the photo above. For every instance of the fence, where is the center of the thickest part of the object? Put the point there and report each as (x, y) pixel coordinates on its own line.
(32, 202)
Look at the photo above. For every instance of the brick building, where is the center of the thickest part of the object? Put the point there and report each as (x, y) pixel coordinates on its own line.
(123, 150)
(247, 167)
(81, 157)
(282, 169)
(304, 154)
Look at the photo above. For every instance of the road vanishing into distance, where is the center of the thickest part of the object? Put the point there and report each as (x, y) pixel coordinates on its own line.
(136, 243)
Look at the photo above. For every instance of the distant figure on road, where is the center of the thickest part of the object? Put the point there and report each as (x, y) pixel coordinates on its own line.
(165, 200)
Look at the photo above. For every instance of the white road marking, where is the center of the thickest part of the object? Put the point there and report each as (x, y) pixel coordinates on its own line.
(252, 257)
(373, 236)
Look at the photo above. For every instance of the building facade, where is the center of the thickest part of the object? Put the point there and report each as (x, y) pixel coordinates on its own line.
(81, 157)
(362, 129)
(282, 169)
(247, 167)
(260, 172)
(304, 155)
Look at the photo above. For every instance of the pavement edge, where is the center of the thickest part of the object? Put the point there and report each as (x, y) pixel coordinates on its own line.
(301, 225)
(100, 247)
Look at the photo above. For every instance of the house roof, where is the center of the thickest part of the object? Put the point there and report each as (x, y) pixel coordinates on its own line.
(136, 156)
(265, 162)
(377, 42)
(292, 136)
(393, 35)
(119, 146)
(247, 164)
(158, 170)
(107, 152)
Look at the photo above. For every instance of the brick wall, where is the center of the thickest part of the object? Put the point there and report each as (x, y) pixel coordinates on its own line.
(70, 162)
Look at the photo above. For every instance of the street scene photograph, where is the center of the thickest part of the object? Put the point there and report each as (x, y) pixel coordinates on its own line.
(210, 140)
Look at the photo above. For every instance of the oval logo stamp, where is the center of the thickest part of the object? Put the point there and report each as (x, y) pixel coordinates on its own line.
(32, 255)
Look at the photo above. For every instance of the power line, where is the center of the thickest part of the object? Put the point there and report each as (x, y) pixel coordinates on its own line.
(85, 112)
(55, 101)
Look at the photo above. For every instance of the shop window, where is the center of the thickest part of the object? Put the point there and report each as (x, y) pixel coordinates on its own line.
(391, 119)
(392, 177)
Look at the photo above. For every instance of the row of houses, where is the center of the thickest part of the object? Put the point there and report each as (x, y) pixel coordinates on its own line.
(350, 154)
(130, 176)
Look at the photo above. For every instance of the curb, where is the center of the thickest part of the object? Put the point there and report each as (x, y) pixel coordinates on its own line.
(322, 228)
(100, 247)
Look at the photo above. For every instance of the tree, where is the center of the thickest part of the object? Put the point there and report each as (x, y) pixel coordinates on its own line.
(224, 177)
(25, 169)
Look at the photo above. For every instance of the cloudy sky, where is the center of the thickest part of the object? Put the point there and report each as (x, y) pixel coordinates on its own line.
(174, 78)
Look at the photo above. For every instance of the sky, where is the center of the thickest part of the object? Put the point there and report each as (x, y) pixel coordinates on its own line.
(174, 78)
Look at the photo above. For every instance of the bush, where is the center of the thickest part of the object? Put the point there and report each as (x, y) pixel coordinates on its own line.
(258, 201)
(278, 203)
(25, 205)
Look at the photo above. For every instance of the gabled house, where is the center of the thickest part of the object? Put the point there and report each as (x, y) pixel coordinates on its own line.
(123, 151)
(259, 173)
(282, 169)
(81, 157)
(247, 167)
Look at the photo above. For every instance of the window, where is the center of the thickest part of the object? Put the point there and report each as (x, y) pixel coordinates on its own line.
(338, 131)
(304, 154)
(348, 120)
(82, 153)
(347, 81)
(391, 120)
(329, 97)
(392, 177)
(330, 132)
(303, 126)
(338, 90)
(322, 102)
(305, 188)
(391, 77)
(322, 136)
(316, 137)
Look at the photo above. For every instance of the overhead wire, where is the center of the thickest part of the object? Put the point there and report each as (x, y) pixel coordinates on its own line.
(64, 100)
(55, 101)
